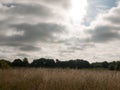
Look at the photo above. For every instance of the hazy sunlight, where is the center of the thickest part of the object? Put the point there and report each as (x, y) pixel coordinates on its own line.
(77, 10)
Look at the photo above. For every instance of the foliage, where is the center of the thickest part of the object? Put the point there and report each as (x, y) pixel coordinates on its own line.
(42, 62)
(4, 64)
(51, 63)
(20, 63)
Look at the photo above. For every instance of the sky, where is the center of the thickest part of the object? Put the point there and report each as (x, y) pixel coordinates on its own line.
(60, 29)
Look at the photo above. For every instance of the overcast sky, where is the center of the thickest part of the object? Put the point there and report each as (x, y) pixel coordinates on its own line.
(60, 29)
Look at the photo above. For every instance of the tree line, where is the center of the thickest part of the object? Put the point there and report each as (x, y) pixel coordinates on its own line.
(51, 63)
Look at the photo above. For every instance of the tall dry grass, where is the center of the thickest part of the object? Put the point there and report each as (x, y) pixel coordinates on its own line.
(59, 79)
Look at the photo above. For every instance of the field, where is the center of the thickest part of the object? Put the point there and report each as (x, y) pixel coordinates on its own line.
(58, 79)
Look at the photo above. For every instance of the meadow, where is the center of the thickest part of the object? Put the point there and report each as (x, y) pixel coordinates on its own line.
(58, 79)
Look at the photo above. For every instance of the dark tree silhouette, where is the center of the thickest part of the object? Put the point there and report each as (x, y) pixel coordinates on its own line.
(25, 62)
(42, 62)
(50, 63)
(17, 63)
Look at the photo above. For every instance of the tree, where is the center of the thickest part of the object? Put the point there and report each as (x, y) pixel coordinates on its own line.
(25, 62)
(4, 64)
(17, 63)
(42, 62)
(111, 67)
(105, 64)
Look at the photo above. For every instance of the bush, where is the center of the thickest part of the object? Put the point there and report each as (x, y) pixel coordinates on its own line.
(4, 64)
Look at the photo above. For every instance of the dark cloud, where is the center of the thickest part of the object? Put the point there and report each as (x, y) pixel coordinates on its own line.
(104, 33)
(39, 32)
(63, 3)
(9, 5)
(114, 16)
(114, 19)
(27, 9)
(109, 31)
(42, 32)
(29, 48)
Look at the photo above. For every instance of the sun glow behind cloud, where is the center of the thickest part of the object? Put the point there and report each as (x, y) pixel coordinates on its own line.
(77, 11)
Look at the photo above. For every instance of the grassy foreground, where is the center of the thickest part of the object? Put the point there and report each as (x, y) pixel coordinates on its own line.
(59, 79)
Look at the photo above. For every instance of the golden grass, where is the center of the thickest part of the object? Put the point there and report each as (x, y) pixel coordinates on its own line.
(59, 79)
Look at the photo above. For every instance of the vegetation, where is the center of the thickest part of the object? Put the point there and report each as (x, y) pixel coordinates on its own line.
(58, 79)
(49, 74)
(4, 64)
(51, 63)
